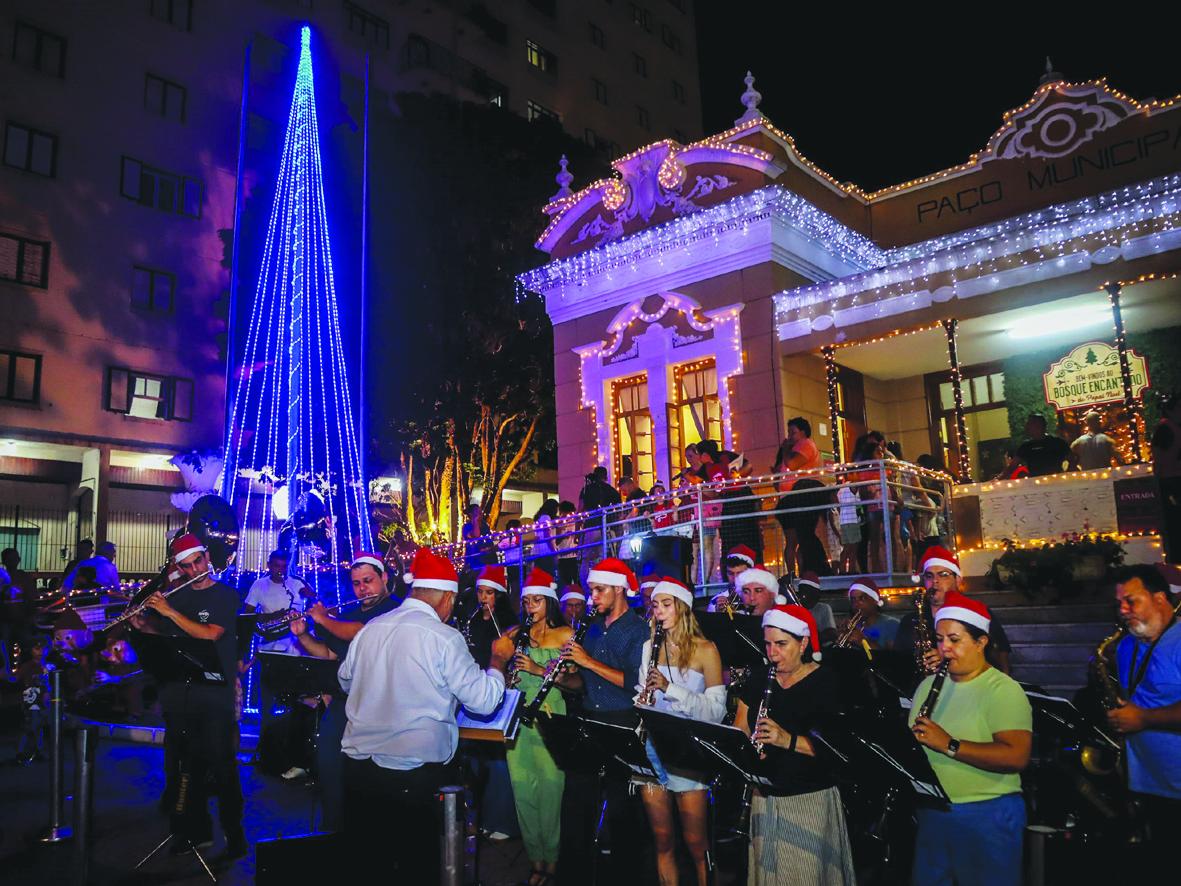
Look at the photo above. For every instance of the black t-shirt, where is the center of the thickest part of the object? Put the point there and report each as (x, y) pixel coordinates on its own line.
(361, 614)
(1044, 455)
(217, 604)
(797, 709)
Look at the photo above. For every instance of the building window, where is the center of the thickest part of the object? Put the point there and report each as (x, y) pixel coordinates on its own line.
(39, 50)
(20, 377)
(695, 413)
(632, 428)
(30, 149)
(534, 111)
(986, 418)
(670, 39)
(142, 395)
(639, 64)
(164, 98)
(643, 118)
(679, 91)
(641, 17)
(600, 91)
(166, 191)
(152, 290)
(372, 29)
(597, 37)
(494, 29)
(540, 58)
(24, 261)
(178, 13)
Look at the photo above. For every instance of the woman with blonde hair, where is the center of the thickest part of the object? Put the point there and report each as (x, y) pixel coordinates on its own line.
(683, 675)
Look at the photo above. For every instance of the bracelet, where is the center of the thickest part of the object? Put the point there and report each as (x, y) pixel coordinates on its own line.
(791, 746)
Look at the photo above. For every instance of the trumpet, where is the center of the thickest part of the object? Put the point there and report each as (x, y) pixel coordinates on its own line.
(854, 625)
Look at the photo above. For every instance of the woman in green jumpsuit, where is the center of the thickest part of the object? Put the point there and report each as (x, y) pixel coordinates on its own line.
(537, 781)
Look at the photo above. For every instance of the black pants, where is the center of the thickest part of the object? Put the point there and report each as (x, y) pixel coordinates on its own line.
(1160, 816)
(581, 805)
(393, 819)
(1170, 508)
(200, 744)
(329, 779)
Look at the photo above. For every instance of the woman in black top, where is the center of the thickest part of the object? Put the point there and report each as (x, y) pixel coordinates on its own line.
(797, 827)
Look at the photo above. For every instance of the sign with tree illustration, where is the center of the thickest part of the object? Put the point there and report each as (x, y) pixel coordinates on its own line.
(1090, 375)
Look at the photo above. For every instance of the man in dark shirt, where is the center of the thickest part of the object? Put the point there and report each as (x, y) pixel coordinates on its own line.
(1042, 453)
(609, 662)
(597, 493)
(335, 633)
(200, 737)
(940, 573)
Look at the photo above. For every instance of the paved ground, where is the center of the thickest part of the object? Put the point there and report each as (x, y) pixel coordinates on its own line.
(127, 826)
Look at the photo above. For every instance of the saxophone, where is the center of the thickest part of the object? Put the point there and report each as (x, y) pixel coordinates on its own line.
(1099, 760)
(923, 641)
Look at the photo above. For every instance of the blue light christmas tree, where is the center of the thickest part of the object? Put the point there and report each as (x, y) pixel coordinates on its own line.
(291, 427)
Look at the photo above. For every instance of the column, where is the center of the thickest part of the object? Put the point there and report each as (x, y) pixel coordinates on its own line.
(834, 405)
(1125, 371)
(964, 468)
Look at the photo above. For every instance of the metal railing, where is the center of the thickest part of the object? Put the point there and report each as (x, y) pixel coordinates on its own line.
(793, 521)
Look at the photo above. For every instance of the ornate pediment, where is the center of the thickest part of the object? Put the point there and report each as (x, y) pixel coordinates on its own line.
(1057, 120)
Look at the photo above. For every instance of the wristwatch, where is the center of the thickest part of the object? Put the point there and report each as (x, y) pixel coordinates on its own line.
(953, 747)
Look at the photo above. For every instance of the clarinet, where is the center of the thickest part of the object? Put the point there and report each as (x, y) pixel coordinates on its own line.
(648, 696)
(552, 672)
(522, 643)
(764, 707)
(928, 704)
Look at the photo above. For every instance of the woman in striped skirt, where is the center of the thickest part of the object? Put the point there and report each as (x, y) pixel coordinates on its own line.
(797, 826)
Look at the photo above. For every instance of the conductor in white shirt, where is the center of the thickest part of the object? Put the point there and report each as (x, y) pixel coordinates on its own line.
(406, 673)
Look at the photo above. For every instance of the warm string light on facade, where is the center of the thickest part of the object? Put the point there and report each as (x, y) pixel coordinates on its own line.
(834, 406)
(1038, 543)
(963, 456)
(1118, 472)
(1125, 370)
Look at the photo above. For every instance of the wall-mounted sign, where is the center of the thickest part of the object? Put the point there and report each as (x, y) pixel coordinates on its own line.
(1090, 375)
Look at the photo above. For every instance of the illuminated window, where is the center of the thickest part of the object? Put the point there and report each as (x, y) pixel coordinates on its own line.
(540, 58)
(986, 418)
(631, 422)
(142, 395)
(695, 413)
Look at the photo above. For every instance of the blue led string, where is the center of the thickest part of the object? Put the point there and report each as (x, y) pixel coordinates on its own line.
(292, 408)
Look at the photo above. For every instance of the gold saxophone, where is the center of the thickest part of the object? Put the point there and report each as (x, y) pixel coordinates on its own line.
(1099, 760)
(923, 641)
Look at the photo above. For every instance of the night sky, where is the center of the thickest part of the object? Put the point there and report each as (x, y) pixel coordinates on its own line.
(878, 110)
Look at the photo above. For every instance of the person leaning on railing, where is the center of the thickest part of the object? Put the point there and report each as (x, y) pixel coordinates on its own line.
(802, 550)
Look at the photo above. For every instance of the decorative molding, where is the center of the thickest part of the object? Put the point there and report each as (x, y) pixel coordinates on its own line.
(1058, 121)
(654, 351)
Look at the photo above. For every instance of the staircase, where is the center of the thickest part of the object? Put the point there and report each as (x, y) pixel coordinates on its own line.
(1052, 643)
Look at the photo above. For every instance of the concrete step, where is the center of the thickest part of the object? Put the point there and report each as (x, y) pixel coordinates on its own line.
(1041, 613)
(1051, 653)
(1066, 632)
(1052, 674)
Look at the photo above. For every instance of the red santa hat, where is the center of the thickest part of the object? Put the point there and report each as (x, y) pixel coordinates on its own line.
(743, 553)
(964, 609)
(867, 586)
(367, 559)
(493, 577)
(937, 556)
(1171, 574)
(795, 620)
(757, 575)
(540, 583)
(185, 546)
(431, 572)
(673, 588)
(615, 573)
(574, 593)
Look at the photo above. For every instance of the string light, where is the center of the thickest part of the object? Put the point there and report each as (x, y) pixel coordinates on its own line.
(963, 454)
(834, 405)
(1121, 346)
(292, 419)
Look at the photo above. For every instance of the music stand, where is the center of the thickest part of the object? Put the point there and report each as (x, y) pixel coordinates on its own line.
(739, 638)
(585, 744)
(874, 680)
(881, 750)
(697, 747)
(1064, 721)
(299, 674)
(181, 659)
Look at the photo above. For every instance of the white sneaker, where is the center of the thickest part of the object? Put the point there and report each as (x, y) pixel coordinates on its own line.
(497, 836)
(294, 772)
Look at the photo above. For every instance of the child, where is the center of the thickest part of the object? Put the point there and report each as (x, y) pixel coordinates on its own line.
(849, 529)
(32, 677)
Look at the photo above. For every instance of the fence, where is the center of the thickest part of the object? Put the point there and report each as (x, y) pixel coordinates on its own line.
(46, 538)
(795, 522)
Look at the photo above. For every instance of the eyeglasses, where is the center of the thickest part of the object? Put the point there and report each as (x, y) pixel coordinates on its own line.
(929, 576)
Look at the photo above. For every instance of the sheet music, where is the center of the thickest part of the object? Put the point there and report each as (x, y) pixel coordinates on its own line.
(504, 719)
